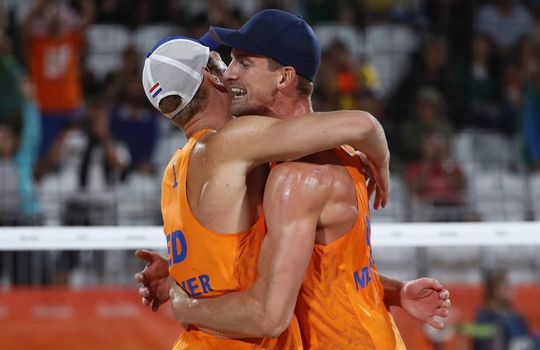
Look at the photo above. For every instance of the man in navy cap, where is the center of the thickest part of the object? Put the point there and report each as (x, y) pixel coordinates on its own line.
(212, 189)
(275, 59)
(279, 41)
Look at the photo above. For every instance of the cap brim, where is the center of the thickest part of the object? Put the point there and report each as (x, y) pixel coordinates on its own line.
(209, 42)
(234, 39)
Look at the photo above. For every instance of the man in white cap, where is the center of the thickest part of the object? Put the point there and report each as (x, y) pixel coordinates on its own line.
(212, 189)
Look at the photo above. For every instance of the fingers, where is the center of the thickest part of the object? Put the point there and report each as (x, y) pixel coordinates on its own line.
(435, 323)
(144, 292)
(378, 199)
(432, 283)
(385, 200)
(371, 187)
(444, 294)
(145, 297)
(145, 255)
(384, 197)
(442, 312)
(139, 277)
(446, 303)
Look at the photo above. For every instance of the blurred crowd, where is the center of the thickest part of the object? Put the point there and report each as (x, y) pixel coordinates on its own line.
(455, 83)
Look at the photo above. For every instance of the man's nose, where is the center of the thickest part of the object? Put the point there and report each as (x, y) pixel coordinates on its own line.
(231, 73)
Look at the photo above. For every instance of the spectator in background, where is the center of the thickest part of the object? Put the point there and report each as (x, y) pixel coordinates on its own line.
(53, 36)
(345, 75)
(436, 180)
(132, 13)
(505, 22)
(10, 213)
(17, 107)
(135, 125)
(148, 11)
(531, 122)
(102, 161)
(342, 11)
(113, 11)
(431, 69)
(527, 56)
(509, 327)
(382, 11)
(104, 158)
(429, 117)
(342, 78)
(511, 95)
(452, 19)
(11, 75)
(479, 83)
(118, 80)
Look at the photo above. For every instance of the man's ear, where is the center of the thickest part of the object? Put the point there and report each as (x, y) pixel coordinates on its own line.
(214, 80)
(288, 77)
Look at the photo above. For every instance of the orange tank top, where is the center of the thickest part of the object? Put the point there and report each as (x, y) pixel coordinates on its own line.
(340, 304)
(206, 263)
(56, 72)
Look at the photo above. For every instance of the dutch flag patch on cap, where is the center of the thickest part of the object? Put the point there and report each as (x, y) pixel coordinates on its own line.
(155, 90)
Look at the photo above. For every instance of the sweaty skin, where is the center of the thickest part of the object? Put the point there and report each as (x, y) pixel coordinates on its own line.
(225, 179)
(260, 310)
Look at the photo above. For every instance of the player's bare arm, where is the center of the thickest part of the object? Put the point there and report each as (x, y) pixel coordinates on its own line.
(252, 140)
(256, 140)
(294, 198)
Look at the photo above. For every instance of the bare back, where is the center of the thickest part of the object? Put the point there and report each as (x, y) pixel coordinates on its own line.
(341, 300)
(223, 197)
(340, 210)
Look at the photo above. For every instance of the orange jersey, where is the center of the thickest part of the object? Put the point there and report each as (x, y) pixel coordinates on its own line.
(340, 304)
(206, 263)
(55, 70)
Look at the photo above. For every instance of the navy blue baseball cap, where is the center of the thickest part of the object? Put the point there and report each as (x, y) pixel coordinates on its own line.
(277, 34)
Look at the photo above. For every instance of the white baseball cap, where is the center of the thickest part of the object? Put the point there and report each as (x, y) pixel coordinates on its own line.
(174, 67)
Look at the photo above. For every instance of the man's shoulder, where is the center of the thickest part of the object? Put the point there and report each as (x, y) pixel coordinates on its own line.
(303, 176)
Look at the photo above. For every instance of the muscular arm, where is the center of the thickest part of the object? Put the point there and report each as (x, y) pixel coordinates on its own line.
(254, 140)
(293, 200)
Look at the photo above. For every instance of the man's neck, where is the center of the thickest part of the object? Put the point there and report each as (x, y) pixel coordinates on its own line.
(213, 115)
(287, 108)
(206, 119)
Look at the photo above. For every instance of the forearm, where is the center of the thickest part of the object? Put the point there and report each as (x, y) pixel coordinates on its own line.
(234, 315)
(261, 140)
(392, 291)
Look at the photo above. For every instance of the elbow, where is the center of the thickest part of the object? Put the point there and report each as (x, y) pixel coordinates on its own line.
(272, 328)
(270, 324)
(369, 123)
(363, 124)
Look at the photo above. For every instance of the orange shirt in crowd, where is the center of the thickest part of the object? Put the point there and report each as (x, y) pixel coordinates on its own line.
(56, 72)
